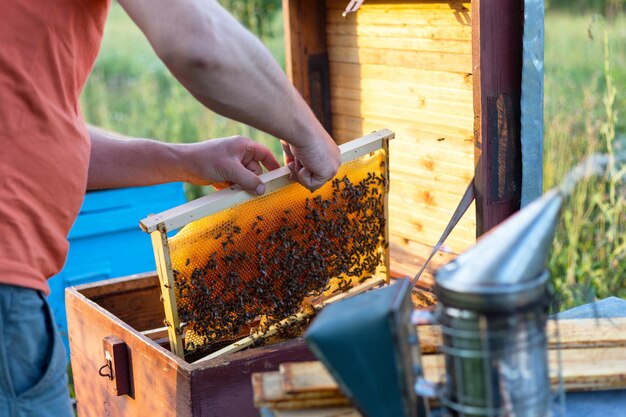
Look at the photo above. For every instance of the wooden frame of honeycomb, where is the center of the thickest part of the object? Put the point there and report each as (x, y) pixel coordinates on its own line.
(160, 224)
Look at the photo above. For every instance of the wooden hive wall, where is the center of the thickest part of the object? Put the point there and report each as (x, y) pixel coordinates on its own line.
(407, 66)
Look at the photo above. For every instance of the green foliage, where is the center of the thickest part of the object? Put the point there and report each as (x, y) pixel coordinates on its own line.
(589, 256)
(608, 8)
(256, 15)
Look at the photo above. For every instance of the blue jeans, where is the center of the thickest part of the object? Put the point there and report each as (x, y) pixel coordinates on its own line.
(33, 363)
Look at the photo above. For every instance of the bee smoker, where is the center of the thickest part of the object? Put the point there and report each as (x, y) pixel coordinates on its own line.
(492, 310)
(370, 346)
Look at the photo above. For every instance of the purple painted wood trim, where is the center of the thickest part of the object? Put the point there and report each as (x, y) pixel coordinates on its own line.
(498, 62)
(226, 391)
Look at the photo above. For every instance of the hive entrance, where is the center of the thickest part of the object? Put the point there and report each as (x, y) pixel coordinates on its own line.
(256, 263)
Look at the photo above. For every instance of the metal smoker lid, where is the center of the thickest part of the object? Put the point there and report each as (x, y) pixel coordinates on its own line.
(506, 269)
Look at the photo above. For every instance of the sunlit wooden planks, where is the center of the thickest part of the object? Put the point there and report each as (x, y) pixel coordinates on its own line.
(408, 16)
(386, 71)
(592, 357)
(458, 139)
(416, 103)
(435, 61)
(374, 108)
(402, 5)
(403, 231)
(407, 65)
(405, 90)
(357, 123)
(400, 31)
(452, 46)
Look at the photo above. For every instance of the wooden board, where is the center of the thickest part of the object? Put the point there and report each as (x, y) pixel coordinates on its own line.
(452, 46)
(154, 395)
(409, 65)
(416, 101)
(590, 369)
(305, 54)
(409, 16)
(433, 61)
(406, 261)
(300, 377)
(403, 91)
(357, 125)
(166, 279)
(497, 63)
(568, 334)
(584, 368)
(593, 354)
(135, 300)
(385, 71)
(318, 412)
(425, 43)
(161, 384)
(418, 115)
(404, 5)
(269, 392)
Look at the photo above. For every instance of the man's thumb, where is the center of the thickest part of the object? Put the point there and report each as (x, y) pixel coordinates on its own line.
(249, 181)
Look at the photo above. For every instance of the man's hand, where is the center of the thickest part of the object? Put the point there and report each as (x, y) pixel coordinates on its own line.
(124, 162)
(229, 70)
(222, 162)
(314, 163)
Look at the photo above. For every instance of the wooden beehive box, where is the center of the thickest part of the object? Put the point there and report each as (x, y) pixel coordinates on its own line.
(159, 384)
(445, 76)
(126, 348)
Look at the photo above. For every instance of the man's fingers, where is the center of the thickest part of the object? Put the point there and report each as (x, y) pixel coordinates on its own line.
(287, 154)
(257, 152)
(248, 180)
(255, 167)
(293, 175)
(309, 180)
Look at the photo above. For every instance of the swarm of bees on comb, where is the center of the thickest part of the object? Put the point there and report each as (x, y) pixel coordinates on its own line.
(255, 264)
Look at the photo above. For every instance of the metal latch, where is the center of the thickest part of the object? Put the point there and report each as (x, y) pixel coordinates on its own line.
(116, 367)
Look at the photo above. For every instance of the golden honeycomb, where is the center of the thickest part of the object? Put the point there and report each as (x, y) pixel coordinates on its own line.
(267, 257)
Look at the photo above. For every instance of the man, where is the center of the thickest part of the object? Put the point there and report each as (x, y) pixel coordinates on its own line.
(48, 157)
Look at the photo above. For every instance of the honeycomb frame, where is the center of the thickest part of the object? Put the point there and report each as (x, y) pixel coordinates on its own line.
(159, 225)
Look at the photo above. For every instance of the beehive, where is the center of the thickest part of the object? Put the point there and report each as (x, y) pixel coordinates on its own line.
(241, 257)
(446, 77)
(163, 384)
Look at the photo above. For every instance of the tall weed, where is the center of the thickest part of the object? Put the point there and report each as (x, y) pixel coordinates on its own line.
(589, 256)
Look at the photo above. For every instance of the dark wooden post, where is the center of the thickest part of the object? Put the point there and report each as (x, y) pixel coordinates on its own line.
(497, 71)
(305, 54)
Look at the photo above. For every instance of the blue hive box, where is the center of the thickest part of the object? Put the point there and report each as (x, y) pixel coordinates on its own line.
(106, 241)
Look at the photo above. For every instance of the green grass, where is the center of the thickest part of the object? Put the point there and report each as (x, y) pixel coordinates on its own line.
(585, 73)
(131, 92)
(575, 87)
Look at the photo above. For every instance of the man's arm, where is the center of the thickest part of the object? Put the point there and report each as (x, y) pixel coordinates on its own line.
(124, 162)
(228, 70)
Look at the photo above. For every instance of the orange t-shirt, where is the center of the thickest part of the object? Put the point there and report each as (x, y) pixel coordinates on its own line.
(47, 50)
